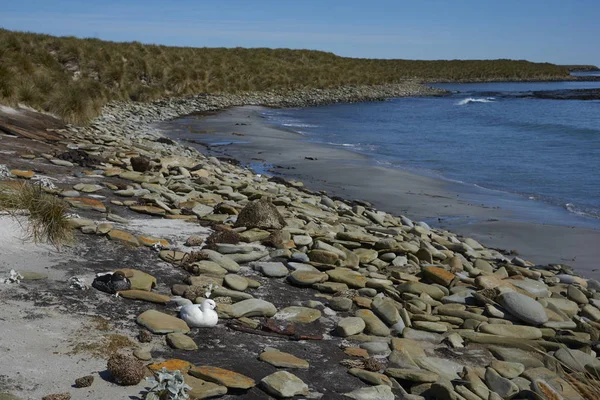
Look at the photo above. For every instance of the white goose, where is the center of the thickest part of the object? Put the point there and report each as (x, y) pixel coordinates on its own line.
(200, 315)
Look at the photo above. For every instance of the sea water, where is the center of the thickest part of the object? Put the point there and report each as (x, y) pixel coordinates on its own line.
(494, 136)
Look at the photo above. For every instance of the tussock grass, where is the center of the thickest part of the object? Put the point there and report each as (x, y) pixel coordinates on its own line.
(74, 77)
(47, 221)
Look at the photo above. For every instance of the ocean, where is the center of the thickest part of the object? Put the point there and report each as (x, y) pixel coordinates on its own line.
(507, 139)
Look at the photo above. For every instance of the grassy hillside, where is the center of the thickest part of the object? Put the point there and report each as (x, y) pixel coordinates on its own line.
(73, 77)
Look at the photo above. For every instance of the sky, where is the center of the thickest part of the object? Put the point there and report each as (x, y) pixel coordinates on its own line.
(562, 32)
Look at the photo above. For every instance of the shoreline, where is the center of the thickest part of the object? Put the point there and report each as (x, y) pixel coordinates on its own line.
(445, 204)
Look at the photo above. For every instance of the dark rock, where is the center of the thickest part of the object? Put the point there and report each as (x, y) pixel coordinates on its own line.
(164, 140)
(80, 157)
(85, 381)
(112, 283)
(260, 214)
(225, 236)
(140, 163)
(125, 370)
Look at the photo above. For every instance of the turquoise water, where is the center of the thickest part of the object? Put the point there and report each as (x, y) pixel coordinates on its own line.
(489, 135)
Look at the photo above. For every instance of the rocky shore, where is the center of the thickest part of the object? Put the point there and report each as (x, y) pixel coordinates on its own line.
(317, 296)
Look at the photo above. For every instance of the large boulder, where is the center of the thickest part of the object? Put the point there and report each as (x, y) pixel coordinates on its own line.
(260, 214)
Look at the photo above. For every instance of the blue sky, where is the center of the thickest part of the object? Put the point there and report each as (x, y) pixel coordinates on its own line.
(536, 30)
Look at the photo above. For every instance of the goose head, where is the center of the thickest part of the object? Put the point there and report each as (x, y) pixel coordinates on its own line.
(208, 304)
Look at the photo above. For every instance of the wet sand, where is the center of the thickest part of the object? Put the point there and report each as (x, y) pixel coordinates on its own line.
(509, 223)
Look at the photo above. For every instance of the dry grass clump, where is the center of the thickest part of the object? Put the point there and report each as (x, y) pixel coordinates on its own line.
(47, 221)
(125, 370)
(74, 78)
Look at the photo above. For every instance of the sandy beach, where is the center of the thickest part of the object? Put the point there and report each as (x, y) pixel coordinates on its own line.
(242, 133)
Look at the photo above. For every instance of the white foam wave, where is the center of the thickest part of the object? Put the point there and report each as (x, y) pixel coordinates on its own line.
(299, 125)
(341, 144)
(469, 100)
(573, 209)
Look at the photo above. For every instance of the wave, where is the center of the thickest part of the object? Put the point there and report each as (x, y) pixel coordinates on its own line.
(299, 125)
(343, 144)
(469, 100)
(572, 208)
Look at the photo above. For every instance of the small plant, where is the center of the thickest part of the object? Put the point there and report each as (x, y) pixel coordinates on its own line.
(47, 219)
(168, 385)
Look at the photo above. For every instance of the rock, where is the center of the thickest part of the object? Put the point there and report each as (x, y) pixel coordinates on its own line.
(365, 256)
(376, 348)
(236, 282)
(517, 331)
(201, 389)
(523, 307)
(351, 278)
(374, 326)
(438, 275)
(379, 392)
(85, 203)
(501, 386)
(302, 315)
(576, 295)
(22, 174)
(87, 188)
(144, 295)
(206, 267)
(373, 378)
(302, 240)
(283, 384)
(125, 370)
(350, 326)
(223, 377)
(385, 309)
(150, 241)
(430, 326)
(139, 279)
(202, 210)
(528, 358)
(508, 370)
(194, 241)
(142, 354)
(474, 383)
(283, 360)
(307, 278)
(150, 210)
(225, 262)
(253, 308)
(172, 364)
(271, 269)
(412, 375)
(340, 303)
(418, 288)
(123, 237)
(85, 381)
(260, 214)
(140, 163)
(323, 257)
(234, 294)
(181, 341)
(158, 322)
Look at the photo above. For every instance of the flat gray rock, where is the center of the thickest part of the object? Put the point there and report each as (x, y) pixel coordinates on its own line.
(523, 307)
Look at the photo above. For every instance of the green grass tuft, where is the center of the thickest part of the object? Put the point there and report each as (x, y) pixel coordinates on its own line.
(47, 221)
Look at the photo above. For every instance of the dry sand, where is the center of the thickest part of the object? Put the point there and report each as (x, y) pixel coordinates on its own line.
(455, 207)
